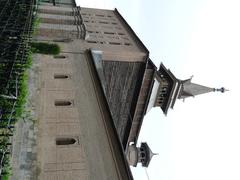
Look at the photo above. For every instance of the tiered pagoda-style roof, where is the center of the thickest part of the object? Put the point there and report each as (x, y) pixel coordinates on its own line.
(168, 88)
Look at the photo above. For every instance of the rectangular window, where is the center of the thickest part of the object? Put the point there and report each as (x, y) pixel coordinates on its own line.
(108, 33)
(114, 43)
(92, 41)
(99, 15)
(127, 44)
(103, 22)
(121, 33)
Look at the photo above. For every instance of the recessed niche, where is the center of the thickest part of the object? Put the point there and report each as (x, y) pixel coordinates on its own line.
(61, 76)
(62, 103)
(65, 141)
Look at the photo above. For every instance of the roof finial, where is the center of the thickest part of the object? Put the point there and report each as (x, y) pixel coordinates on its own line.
(222, 89)
(155, 154)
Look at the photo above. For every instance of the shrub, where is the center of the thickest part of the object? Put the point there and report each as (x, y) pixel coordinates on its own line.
(45, 48)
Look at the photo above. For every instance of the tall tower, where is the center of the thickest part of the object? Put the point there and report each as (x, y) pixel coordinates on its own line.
(167, 88)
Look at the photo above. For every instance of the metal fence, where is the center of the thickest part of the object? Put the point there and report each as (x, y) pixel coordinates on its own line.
(16, 19)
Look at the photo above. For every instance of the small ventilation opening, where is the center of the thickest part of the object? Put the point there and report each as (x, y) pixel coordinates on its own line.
(62, 103)
(61, 76)
(65, 141)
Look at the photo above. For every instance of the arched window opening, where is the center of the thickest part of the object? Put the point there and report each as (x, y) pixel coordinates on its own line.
(160, 98)
(61, 76)
(92, 41)
(59, 57)
(143, 155)
(62, 103)
(65, 141)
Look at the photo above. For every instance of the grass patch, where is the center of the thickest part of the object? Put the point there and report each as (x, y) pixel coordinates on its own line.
(22, 97)
(7, 171)
(6, 177)
(35, 24)
(45, 48)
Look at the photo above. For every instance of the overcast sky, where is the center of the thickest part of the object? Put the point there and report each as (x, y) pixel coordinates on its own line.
(200, 138)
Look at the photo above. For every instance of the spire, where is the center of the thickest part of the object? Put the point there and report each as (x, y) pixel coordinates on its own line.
(189, 89)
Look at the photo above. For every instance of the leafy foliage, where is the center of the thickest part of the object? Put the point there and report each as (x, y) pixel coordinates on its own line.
(45, 48)
(35, 25)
